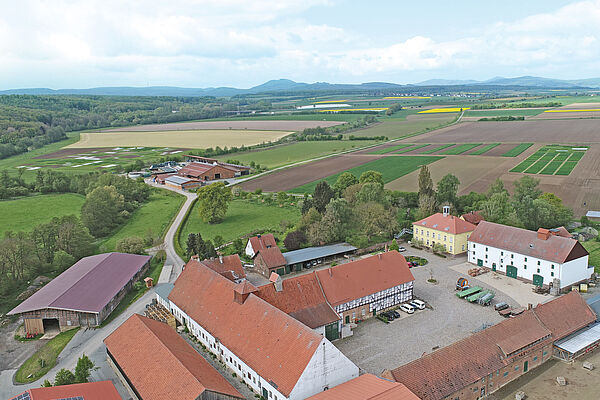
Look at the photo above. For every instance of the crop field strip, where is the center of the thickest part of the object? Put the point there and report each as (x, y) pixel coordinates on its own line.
(439, 148)
(391, 149)
(484, 149)
(410, 149)
(391, 168)
(517, 150)
(551, 160)
(460, 149)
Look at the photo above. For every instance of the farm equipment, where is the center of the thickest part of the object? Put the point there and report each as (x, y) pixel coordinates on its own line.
(486, 299)
(476, 271)
(462, 284)
(468, 292)
(474, 297)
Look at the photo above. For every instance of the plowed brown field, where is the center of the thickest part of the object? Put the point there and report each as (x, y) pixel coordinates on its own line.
(283, 125)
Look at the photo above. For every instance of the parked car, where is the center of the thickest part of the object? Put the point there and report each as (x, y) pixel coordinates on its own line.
(401, 249)
(389, 316)
(501, 306)
(396, 314)
(407, 308)
(418, 304)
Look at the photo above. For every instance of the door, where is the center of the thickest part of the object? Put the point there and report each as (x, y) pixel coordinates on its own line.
(281, 271)
(331, 331)
(538, 280)
(511, 271)
(479, 263)
(493, 266)
(265, 393)
(525, 366)
(347, 319)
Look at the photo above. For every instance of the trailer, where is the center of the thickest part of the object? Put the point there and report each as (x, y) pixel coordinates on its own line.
(476, 296)
(485, 300)
(464, 293)
(462, 284)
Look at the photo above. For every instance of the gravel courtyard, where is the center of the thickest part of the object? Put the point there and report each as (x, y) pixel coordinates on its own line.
(376, 346)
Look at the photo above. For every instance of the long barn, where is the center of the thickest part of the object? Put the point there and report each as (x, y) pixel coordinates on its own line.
(83, 295)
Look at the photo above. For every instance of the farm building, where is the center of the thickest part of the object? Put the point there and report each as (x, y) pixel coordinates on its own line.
(258, 242)
(473, 217)
(367, 387)
(269, 260)
(212, 171)
(315, 255)
(301, 297)
(172, 368)
(182, 182)
(103, 390)
(444, 229)
(540, 257)
(228, 266)
(241, 169)
(489, 359)
(274, 354)
(83, 295)
(359, 289)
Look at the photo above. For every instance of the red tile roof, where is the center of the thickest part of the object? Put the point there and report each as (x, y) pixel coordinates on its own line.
(272, 257)
(357, 279)
(262, 242)
(522, 241)
(160, 364)
(473, 217)
(103, 390)
(445, 223)
(225, 265)
(561, 231)
(367, 387)
(269, 341)
(195, 170)
(448, 370)
(89, 285)
(302, 298)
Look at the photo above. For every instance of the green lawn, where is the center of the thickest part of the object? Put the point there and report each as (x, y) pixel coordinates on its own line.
(518, 149)
(25, 213)
(392, 167)
(593, 247)
(49, 353)
(502, 113)
(461, 148)
(398, 128)
(243, 217)
(484, 149)
(155, 215)
(288, 154)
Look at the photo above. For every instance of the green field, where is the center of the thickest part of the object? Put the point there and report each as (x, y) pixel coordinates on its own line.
(593, 247)
(243, 217)
(399, 128)
(484, 149)
(550, 160)
(154, 216)
(419, 146)
(499, 112)
(25, 213)
(391, 149)
(392, 167)
(439, 148)
(518, 149)
(288, 154)
(461, 148)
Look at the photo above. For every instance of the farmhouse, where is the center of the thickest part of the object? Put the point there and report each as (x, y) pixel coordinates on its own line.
(442, 228)
(270, 260)
(212, 170)
(489, 359)
(172, 369)
(259, 242)
(83, 295)
(103, 390)
(473, 217)
(358, 290)
(182, 183)
(228, 266)
(310, 256)
(541, 257)
(274, 354)
(367, 387)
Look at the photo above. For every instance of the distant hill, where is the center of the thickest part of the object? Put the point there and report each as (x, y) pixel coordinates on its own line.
(290, 86)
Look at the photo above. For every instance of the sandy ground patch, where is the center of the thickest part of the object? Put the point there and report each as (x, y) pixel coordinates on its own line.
(196, 139)
(537, 131)
(468, 169)
(283, 125)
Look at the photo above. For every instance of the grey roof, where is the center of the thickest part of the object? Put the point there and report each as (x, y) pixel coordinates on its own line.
(88, 286)
(594, 303)
(178, 179)
(593, 214)
(163, 290)
(311, 253)
(580, 340)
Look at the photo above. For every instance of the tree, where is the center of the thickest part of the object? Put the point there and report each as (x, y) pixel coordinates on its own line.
(282, 197)
(470, 202)
(238, 246)
(307, 204)
(64, 377)
(496, 187)
(62, 260)
(83, 369)
(218, 240)
(73, 237)
(425, 182)
(371, 192)
(497, 208)
(213, 201)
(294, 240)
(343, 181)
(101, 211)
(333, 226)
(322, 196)
(192, 244)
(372, 177)
(526, 186)
(131, 244)
(309, 218)
(427, 205)
(394, 245)
(374, 219)
(447, 187)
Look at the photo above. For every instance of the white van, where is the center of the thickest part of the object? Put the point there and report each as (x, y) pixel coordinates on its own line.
(418, 304)
(407, 308)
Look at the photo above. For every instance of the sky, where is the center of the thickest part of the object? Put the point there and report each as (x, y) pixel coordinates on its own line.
(241, 43)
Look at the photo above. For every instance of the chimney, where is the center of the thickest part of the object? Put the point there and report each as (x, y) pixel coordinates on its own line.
(258, 236)
(446, 210)
(543, 234)
(277, 281)
(529, 306)
(221, 259)
(379, 255)
(195, 257)
(330, 272)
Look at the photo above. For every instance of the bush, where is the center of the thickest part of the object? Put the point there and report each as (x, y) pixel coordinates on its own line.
(132, 245)
(62, 260)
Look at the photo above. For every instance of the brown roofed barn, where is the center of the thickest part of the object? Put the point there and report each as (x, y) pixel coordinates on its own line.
(103, 390)
(367, 387)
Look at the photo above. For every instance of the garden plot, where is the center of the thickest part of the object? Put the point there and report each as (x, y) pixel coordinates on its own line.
(550, 160)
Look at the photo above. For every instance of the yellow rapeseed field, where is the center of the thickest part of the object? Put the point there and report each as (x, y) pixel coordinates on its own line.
(443, 110)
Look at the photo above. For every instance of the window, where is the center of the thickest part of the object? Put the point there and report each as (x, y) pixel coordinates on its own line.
(539, 263)
(486, 256)
(497, 372)
(552, 266)
(511, 263)
(439, 236)
(512, 256)
(450, 248)
(538, 270)
(506, 373)
(427, 233)
(486, 249)
(473, 245)
(551, 273)
(249, 376)
(475, 389)
(463, 247)
(545, 353)
(364, 312)
(517, 368)
(501, 253)
(450, 239)
(483, 380)
(353, 315)
(270, 394)
(444, 238)
(535, 358)
(524, 266)
(525, 259)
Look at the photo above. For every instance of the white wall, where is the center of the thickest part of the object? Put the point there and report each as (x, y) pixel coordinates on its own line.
(249, 250)
(327, 368)
(568, 273)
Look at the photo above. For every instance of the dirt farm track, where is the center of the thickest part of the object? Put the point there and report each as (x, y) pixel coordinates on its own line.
(536, 131)
(279, 125)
